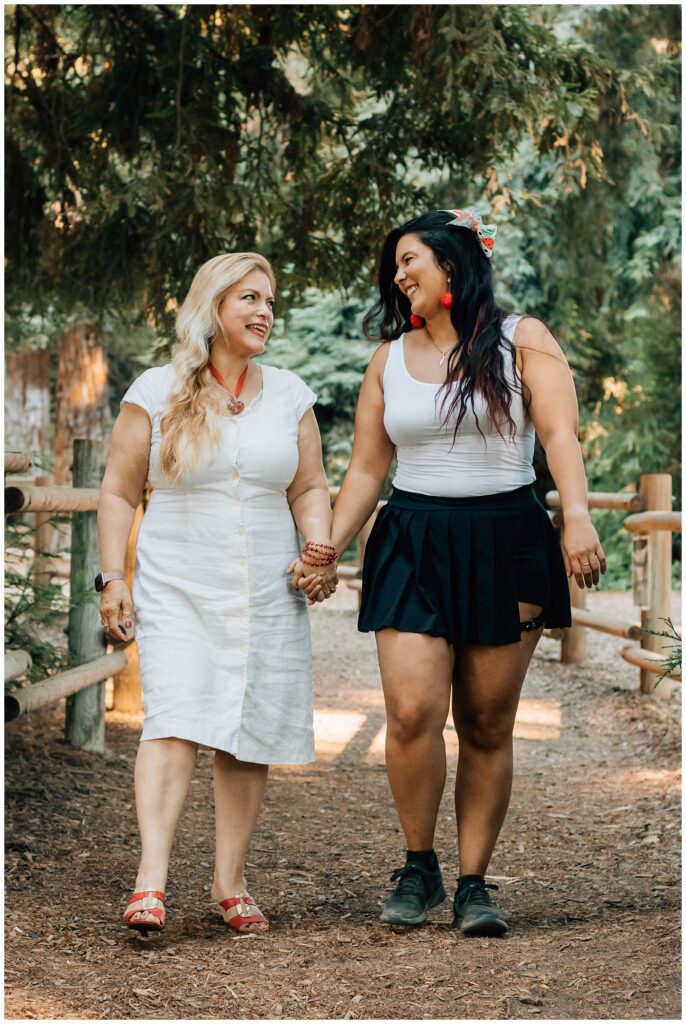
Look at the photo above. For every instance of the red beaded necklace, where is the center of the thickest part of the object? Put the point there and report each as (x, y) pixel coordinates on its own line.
(235, 407)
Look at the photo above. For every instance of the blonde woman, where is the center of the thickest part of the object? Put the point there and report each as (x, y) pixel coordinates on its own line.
(232, 452)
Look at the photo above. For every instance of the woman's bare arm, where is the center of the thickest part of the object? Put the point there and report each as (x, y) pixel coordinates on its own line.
(555, 416)
(371, 457)
(308, 497)
(120, 493)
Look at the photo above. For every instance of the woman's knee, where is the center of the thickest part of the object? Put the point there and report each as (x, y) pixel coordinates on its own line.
(169, 750)
(487, 733)
(408, 722)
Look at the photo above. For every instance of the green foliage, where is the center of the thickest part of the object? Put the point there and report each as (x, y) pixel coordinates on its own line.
(321, 341)
(144, 139)
(598, 258)
(672, 659)
(33, 613)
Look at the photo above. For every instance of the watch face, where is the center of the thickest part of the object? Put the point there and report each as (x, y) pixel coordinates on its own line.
(99, 584)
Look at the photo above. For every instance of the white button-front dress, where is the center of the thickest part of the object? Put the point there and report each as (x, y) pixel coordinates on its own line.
(223, 638)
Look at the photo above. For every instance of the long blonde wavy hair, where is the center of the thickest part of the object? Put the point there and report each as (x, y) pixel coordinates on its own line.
(190, 423)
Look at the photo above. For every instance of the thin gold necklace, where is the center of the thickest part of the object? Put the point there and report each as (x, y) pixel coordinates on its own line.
(443, 354)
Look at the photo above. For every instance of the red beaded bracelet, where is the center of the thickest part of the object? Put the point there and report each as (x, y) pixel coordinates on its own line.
(318, 554)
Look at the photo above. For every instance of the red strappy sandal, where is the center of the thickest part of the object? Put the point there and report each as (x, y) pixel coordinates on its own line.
(151, 899)
(244, 916)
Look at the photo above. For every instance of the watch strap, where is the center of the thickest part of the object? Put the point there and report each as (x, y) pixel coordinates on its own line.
(103, 578)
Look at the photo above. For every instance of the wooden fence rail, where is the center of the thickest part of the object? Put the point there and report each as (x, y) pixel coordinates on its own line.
(83, 684)
(646, 522)
(50, 499)
(652, 517)
(622, 501)
(647, 661)
(17, 663)
(18, 462)
(582, 617)
(63, 684)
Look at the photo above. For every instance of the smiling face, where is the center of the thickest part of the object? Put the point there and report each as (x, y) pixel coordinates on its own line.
(418, 275)
(247, 314)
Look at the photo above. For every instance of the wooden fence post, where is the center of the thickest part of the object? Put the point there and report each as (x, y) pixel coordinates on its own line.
(656, 488)
(573, 643)
(128, 695)
(44, 540)
(85, 721)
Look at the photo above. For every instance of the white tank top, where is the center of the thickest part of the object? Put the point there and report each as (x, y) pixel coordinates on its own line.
(428, 461)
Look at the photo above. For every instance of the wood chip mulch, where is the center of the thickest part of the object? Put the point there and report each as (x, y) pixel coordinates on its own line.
(588, 866)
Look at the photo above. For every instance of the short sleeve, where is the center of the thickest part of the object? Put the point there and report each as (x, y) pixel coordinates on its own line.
(304, 397)
(144, 393)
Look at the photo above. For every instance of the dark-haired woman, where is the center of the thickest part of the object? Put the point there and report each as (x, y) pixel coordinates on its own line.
(463, 568)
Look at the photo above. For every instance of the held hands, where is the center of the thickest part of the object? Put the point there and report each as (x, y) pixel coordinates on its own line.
(116, 611)
(582, 551)
(318, 583)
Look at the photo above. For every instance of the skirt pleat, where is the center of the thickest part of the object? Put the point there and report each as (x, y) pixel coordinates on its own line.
(458, 567)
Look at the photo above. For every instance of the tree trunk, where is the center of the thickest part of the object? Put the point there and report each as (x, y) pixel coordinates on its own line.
(81, 398)
(27, 400)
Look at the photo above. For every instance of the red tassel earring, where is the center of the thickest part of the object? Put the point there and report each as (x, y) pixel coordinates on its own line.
(446, 299)
(417, 321)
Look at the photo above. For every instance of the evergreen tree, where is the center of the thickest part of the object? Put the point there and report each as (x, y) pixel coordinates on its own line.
(144, 138)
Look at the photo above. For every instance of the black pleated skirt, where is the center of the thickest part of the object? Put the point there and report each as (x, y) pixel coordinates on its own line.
(457, 567)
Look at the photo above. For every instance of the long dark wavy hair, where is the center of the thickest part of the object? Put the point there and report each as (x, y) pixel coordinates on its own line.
(477, 360)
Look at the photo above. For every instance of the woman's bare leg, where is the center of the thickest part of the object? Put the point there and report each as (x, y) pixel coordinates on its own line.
(416, 673)
(238, 791)
(164, 769)
(486, 689)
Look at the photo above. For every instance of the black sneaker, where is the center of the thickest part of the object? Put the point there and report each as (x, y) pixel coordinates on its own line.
(475, 911)
(417, 891)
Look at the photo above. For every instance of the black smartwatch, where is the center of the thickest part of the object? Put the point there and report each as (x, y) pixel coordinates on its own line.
(103, 578)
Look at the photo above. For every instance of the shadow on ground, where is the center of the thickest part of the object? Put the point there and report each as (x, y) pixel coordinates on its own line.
(588, 869)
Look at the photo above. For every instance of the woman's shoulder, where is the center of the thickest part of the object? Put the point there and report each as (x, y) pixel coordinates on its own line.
(279, 375)
(151, 388)
(382, 352)
(529, 334)
(292, 387)
(161, 377)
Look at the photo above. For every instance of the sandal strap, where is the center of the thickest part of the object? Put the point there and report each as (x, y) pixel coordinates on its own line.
(234, 901)
(243, 917)
(145, 895)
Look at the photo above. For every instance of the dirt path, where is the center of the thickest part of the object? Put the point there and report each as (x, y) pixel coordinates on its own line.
(588, 867)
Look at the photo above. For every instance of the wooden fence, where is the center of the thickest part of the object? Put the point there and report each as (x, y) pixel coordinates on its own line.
(651, 519)
(83, 684)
